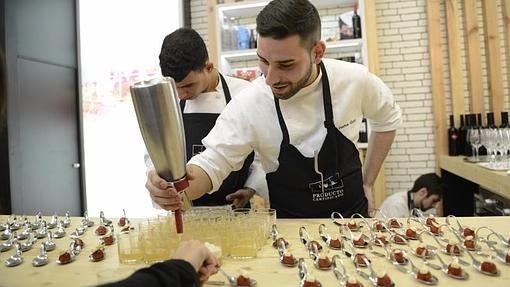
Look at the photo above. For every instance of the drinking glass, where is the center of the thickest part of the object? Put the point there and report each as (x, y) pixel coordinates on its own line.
(129, 247)
(499, 139)
(244, 234)
(487, 140)
(506, 146)
(269, 215)
(159, 239)
(492, 146)
(158, 246)
(502, 139)
(473, 137)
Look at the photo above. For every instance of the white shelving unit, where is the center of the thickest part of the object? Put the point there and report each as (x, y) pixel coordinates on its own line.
(347, 46)
(246, 12)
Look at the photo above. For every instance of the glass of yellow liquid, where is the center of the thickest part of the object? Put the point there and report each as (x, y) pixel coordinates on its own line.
(129, 247)
(269, 215)
(243, 244)
(155, 246)
(225, 229)
(243, 234)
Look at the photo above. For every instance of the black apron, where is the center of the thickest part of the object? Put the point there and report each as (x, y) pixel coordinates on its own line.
(295, 189)
(196, 127)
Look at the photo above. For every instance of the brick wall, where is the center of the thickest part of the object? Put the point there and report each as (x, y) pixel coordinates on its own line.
(404, 66)
(199, 17)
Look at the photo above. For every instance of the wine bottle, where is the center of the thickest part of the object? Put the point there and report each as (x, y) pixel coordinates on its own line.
(504, 120)
(253, 39)
(479, 123)
(462, 135)
(453, 138)
(470, 123)
(356, 23)
(490, 120)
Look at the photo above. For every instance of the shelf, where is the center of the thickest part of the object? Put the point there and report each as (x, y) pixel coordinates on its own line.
(350, 45)
(345, 44)
(495, 181)
(252, 8)
(240, 55)
(241, 9)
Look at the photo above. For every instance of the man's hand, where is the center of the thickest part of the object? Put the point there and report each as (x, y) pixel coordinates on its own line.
(370, 197)
(198, 255)
(241, 197)
(162, 193)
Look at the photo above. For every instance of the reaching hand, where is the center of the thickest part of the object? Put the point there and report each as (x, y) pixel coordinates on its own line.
(241, 197)
(162, 193)
(198, 255)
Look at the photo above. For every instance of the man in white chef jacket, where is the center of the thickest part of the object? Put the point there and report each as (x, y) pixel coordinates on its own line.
(303, 117)
(425, 195)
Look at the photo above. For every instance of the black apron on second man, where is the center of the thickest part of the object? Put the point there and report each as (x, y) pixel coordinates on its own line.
(296, 190)
(196, 127)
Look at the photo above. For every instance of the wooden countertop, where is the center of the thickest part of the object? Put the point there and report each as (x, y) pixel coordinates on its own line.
(266, 268)
(495, 181)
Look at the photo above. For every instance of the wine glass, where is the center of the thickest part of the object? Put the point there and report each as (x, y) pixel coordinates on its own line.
(500, 146)
(474, 139)
(490, 144)
(505, 146)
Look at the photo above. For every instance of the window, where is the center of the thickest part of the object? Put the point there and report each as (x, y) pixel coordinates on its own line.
(119, 44)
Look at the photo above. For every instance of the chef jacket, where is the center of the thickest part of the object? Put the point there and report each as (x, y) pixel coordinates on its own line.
(400, 204)
(250, 122)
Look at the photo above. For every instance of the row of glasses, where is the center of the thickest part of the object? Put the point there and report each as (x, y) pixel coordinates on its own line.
(495, 140)
(155, 240)
(240, 232)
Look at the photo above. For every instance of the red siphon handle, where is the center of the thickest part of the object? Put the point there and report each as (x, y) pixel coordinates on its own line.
(180, 185)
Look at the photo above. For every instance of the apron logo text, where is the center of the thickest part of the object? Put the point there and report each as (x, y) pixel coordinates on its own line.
(196, 149)
(333, 188)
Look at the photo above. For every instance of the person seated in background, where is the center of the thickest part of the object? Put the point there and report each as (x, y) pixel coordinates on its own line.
(425, 195)
(203, 93)
(191, 265)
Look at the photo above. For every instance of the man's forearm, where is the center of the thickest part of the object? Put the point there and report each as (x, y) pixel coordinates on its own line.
(378, 147)
(199, 182)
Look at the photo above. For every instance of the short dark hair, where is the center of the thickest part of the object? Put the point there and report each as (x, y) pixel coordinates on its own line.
(182, 51)
(283, 18)
(431, 181)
